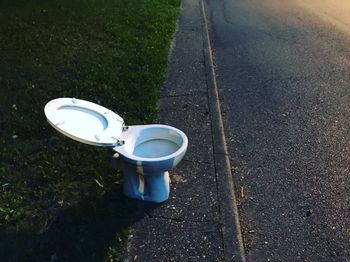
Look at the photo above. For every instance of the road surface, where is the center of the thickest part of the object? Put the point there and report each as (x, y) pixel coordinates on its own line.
(283, 72)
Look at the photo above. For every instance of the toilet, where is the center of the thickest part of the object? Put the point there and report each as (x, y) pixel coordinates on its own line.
(144, 153)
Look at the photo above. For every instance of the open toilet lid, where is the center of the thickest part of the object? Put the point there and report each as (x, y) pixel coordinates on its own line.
(84, 121)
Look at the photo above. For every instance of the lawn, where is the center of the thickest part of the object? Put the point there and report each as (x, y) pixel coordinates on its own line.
(59, 199)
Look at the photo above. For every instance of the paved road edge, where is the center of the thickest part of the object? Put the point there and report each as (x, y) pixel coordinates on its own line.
(231, 228)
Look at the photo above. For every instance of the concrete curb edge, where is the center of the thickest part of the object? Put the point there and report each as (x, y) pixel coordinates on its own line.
(231, 228)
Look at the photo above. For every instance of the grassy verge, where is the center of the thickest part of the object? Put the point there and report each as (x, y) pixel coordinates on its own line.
(59, 198)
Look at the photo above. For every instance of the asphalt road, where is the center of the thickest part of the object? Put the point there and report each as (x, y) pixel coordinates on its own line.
(283, 71)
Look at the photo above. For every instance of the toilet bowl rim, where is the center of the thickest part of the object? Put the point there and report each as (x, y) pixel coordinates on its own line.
(121, 149)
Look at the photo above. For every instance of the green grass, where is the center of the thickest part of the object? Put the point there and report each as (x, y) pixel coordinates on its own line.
(59, 197)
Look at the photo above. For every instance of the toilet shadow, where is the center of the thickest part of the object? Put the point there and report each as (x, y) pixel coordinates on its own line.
(144, 208)
(85, 232)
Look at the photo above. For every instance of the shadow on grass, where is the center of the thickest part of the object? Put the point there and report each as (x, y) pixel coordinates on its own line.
(90, 231)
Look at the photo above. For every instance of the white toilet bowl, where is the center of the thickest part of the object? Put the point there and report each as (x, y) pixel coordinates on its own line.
(145, 153)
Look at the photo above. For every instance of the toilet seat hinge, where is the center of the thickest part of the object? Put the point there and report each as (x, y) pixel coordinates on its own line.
(120, 142)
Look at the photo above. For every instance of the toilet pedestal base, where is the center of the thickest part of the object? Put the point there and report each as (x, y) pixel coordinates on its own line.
(148, 187)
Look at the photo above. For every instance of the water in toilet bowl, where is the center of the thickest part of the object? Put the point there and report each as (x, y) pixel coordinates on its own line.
(155, 148)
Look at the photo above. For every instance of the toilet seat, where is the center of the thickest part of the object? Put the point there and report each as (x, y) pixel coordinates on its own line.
(85, 121)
